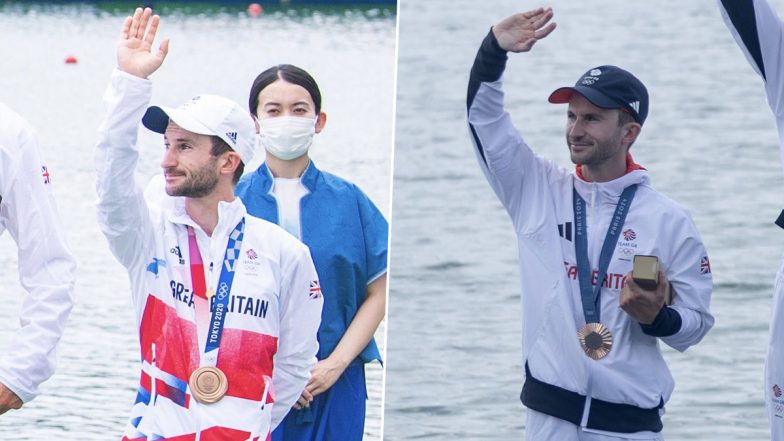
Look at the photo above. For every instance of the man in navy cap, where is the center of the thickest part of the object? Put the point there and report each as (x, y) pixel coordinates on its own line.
(593, 368)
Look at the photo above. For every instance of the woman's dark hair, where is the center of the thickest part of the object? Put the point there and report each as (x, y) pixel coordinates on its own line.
(290, 74)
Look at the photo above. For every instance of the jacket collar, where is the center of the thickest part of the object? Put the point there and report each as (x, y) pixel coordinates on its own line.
(630, 166)
(229, 215)
(309, 177)
(635, 174)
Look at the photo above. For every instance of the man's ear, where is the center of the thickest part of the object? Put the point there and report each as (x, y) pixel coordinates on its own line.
(630, 133)
(231, 160)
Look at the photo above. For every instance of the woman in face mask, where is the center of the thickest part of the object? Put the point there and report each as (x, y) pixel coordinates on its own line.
(347, 237)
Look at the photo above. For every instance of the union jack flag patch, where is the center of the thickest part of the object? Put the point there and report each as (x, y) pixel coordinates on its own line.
(45, 174)
(315, 290)
(705, 265)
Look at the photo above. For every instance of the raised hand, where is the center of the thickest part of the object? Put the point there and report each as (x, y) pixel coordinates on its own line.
(134, 50)
(519, 32)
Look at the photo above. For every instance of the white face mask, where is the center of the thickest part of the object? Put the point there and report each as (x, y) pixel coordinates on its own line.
(287, 137)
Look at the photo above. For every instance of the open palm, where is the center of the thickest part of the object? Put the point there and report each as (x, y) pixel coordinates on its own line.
(134, 49)
(519, 32)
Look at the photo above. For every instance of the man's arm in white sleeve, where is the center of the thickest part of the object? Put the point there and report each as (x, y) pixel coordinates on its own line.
(759, 33)
(300, 317)
(46, 271)
(122, 211)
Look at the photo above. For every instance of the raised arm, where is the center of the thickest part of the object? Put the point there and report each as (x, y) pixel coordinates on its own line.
(122, 211)
(516, 33)
(134, 48)
(506, 160)
(519, 32)
(760, 34)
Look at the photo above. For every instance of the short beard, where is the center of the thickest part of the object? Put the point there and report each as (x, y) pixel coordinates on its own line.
(201, 183)
(602, 153)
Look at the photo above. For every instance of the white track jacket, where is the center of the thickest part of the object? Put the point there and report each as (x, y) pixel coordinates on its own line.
(537, 195)
(46, 266)
(269, 342)
(760, 34)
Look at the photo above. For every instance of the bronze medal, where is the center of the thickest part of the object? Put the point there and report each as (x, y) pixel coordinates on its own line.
(595, 339)
(208, 384)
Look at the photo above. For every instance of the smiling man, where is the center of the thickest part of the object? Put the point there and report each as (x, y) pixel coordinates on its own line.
(224, 301)
(593, 367)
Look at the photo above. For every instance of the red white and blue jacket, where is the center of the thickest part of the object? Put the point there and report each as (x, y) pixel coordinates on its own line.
(268, 345)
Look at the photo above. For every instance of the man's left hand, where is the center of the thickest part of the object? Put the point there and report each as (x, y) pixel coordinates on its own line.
(8, 400)
(642, 304)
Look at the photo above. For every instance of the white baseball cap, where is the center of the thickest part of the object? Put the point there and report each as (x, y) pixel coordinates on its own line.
(209, 115)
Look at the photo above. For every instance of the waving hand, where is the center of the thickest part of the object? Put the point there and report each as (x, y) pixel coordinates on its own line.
(134, 49)
(519, 32)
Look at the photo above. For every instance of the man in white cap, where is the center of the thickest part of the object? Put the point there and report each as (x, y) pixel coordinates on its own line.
(228, 305)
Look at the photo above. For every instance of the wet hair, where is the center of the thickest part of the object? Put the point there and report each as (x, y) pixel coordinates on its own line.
(219, 147)
(288, 73)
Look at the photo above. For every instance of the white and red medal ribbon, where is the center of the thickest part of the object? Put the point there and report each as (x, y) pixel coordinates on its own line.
(208, 383)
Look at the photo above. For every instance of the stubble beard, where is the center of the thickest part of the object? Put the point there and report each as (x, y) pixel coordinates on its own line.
(599, 153)
(200, 183)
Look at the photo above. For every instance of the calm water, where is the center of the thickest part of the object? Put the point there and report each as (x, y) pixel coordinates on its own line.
(454, 364)
(352, 56)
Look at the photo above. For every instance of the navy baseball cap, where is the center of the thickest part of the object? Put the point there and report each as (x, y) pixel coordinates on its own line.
(608, 87)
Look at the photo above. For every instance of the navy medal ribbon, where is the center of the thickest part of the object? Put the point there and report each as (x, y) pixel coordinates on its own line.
(594, 337)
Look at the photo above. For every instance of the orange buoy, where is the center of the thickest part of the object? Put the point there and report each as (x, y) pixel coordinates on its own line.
(255, 9)
(70, 59)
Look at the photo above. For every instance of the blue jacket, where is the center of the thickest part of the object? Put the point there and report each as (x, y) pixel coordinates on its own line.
(347, 236)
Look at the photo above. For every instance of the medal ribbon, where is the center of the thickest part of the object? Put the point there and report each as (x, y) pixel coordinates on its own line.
(589, 295)
(212, 324)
